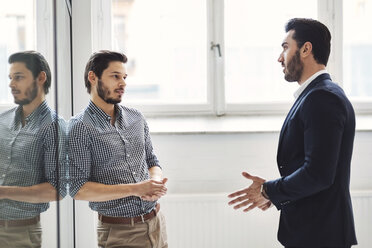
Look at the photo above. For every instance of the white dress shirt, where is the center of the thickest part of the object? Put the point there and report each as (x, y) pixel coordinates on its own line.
(307, 82)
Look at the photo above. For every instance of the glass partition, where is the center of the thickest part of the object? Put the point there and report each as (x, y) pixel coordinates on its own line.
(32, 131)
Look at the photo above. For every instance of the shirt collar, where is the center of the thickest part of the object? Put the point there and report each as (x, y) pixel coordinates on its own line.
(39, 111)
(102, 114)
(307, 82)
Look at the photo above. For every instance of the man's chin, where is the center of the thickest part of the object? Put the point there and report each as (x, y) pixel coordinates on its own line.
(113, 101)
(289, 79)
(21, 101)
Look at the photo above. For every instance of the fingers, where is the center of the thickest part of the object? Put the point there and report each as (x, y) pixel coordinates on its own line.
(265, 206)
(158, 188)
(253, 178)
(245, 203)
(165, 180)
(239, 199)
(250, 207)
(156, 181)
(247, 175)
(250, 201)
(237, 193)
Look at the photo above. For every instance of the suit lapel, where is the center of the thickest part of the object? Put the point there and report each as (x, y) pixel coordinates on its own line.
(296, 105)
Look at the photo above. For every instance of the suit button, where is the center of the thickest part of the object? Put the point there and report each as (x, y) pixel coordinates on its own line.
(281, 167)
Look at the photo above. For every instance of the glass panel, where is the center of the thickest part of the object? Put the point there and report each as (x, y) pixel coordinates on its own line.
(165, 42)
(32, 137)
(357, 48)
(254, 32)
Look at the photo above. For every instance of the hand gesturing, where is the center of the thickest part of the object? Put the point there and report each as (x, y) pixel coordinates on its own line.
(250, 196)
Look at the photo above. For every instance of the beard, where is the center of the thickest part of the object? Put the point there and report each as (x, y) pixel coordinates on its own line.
(294, 68)
(30, 93)
(104, 93)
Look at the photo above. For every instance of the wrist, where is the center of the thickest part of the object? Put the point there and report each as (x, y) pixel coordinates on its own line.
(156, 178)
(263, 191)
(132, 189)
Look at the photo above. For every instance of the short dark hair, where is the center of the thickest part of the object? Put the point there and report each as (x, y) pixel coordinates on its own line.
(99, 61)
(315, 32)
(36, 63)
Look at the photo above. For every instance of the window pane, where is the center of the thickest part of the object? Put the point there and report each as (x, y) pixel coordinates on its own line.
(357, 48)
(165, 42)
(18, 33)
(254, 32)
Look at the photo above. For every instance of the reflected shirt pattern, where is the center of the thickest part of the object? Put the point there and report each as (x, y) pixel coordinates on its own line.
(107, 154)
(28, 156)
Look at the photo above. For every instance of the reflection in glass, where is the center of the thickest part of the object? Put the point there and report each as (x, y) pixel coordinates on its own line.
(17, 25)
(32, 145)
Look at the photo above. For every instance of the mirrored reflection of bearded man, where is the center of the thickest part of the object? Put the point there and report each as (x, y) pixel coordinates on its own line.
(31, 147)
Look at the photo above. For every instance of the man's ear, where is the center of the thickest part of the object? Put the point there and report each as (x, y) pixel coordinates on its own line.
(92, 78)
(307, 49)
(41, 78)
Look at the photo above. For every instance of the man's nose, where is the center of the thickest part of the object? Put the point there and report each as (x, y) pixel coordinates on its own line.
(281, 58)
(11, 83)
(122, 82)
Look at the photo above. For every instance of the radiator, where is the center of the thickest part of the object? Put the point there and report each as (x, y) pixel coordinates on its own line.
(206, 221)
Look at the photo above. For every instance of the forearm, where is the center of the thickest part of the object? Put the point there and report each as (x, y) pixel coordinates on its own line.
(39, 193)
(99, 192)
(156, 173)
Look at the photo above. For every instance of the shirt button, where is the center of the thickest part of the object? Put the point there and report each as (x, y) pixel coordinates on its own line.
(3, 175)
(8, 157)
(134, 173)
(128, 155)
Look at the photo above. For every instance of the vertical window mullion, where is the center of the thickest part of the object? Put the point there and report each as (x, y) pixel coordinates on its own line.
(330, 13)
(101, 25)
(44, 37)
(216, 50)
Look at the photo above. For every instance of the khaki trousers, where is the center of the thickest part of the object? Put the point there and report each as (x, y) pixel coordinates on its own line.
(150, 234)
(21, 236)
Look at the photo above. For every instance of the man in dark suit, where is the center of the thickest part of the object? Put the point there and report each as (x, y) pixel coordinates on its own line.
(315, 148)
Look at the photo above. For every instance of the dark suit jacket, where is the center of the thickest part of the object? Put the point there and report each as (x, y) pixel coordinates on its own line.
(314, 154)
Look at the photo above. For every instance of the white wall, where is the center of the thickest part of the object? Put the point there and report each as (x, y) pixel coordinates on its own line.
(206, 167)
(212, 164)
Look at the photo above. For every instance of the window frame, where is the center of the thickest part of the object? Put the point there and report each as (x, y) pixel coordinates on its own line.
(330, 12)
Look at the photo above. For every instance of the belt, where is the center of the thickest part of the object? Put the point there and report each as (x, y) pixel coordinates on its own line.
(21, 222)
(129, 220)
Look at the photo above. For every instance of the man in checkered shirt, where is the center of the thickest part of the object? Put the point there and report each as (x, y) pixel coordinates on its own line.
(31, 136)
(111, 160)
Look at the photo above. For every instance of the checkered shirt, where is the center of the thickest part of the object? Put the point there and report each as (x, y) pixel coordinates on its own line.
(28, 156)
(103, 153)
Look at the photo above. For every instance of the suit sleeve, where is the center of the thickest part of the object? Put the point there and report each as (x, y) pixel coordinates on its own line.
(323, 115)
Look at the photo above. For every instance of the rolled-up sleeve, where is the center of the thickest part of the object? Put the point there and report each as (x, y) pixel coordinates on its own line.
(54, 148)
(79, 157)
(151, 158)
